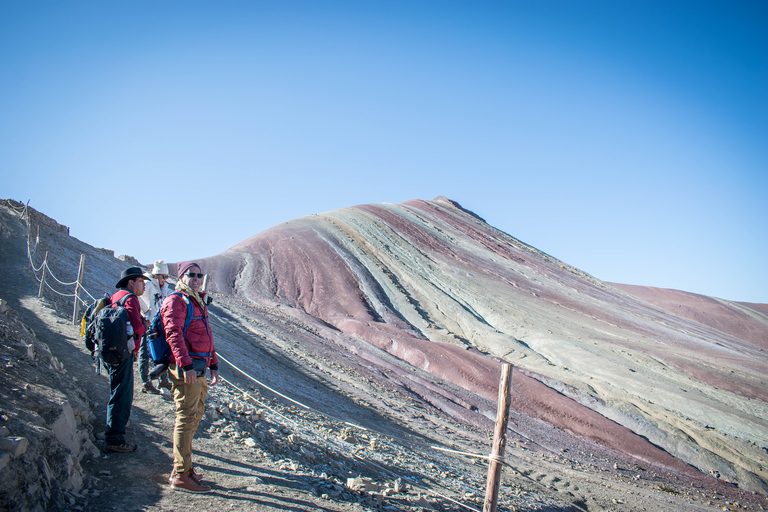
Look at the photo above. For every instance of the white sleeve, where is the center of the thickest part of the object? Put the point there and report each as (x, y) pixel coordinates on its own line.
(144, 301)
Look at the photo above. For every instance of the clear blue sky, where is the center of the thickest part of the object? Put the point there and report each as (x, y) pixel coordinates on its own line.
(626, 138)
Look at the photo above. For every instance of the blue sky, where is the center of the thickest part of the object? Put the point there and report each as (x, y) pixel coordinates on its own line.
(628, 139)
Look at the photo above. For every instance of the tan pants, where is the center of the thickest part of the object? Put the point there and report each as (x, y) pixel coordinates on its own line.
(190, 406)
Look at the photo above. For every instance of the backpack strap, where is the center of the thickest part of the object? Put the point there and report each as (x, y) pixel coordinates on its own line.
(123, 299)
(190, 312)
(187, 320)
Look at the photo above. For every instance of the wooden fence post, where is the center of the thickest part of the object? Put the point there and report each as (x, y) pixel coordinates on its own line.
(499, 440)
(42, 278)
(76, 308)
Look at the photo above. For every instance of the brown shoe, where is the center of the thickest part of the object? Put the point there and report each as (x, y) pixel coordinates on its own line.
(193, 473)
(149, 388)
(187, 484)
(165, 383)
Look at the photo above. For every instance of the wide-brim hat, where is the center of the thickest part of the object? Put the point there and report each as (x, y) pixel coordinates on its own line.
(128, 274)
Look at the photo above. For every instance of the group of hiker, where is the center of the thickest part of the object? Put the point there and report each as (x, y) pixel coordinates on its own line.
(192, 356)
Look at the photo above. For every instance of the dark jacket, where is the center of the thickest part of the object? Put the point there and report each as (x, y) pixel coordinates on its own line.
(133, 306)
(198, 337)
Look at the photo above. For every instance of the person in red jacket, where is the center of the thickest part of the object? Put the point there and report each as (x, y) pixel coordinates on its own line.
(131, 283)
(192, 355)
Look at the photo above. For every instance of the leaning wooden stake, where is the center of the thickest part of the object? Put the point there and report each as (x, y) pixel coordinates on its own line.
(76, 307)
(42, 278)
(499, 440)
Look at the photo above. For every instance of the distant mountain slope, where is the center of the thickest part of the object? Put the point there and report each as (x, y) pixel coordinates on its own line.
(745, 321)
(437, 287)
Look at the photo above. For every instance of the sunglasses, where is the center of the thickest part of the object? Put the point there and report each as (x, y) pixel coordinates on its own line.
(193, 275)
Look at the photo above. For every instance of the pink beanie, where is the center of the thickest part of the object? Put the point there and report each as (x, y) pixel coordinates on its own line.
(184, 266)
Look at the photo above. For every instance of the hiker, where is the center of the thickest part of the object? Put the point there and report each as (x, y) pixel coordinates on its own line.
(192, 354)
(121, 374)
(157, 290)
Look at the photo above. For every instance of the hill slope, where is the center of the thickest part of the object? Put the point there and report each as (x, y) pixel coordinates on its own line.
(437, 287)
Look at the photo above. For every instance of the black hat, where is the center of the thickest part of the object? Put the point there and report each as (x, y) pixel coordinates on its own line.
(128, 274)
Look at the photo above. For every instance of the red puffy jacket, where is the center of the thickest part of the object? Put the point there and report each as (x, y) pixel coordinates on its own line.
(198, 339)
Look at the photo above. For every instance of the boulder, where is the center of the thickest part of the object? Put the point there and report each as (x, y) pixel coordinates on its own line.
(15, 446)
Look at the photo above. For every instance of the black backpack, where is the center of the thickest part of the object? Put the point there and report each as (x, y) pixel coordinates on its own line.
(88, 322)
(111, 332)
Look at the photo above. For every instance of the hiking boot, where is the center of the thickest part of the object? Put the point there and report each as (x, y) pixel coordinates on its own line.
(120, 448)
(192, 473)
(165, 383)
(149, 388)
(187, 484)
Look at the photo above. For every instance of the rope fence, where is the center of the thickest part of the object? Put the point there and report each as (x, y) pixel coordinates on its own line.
(45, 270)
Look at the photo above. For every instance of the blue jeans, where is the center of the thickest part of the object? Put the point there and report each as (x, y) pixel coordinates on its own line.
(120, 400)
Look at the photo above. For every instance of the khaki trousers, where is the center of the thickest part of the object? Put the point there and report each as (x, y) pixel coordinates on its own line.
(190, 406)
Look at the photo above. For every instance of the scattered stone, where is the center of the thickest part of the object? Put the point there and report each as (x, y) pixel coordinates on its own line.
(363, 484)
(16, 446)
(250, 442)
(422, 502)
(308, 454)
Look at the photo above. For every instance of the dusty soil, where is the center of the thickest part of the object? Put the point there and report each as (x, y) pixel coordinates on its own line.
(260, 451)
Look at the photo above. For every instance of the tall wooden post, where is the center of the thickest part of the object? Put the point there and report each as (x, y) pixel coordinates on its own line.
(76, 307)
(42, 278)
(499, 440)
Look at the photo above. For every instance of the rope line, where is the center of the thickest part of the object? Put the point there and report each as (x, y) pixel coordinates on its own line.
(29, 255)
(245, 394)
(261, 383)
(58, 292)
(57, 279)
(490, 457)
